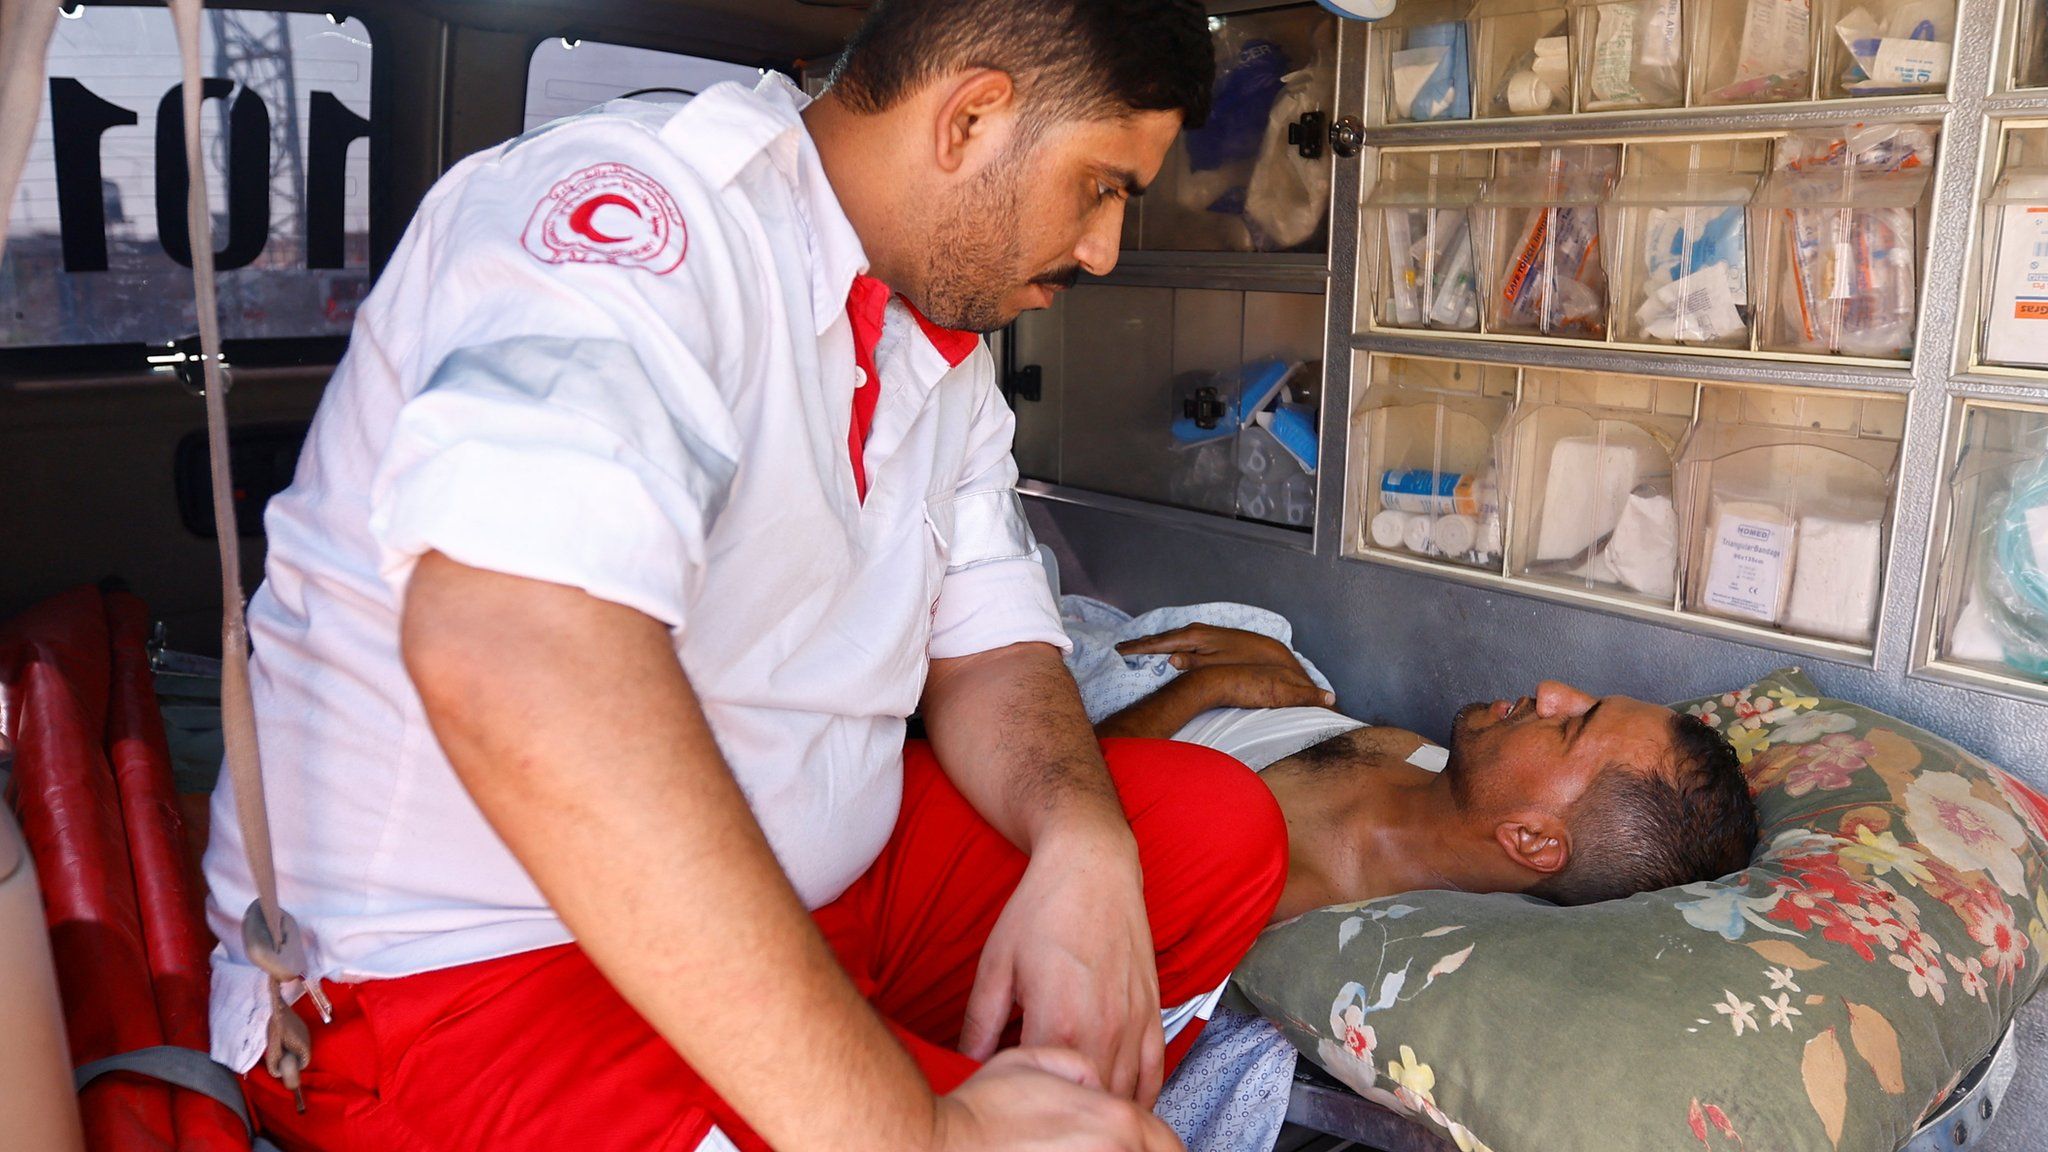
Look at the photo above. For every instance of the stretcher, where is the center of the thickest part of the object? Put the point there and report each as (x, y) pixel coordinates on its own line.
(1325, 1116)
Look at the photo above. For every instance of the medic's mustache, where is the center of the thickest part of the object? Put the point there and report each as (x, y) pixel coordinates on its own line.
(1059, 277)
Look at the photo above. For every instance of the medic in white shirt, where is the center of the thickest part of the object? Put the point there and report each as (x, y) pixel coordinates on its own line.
(663, 479)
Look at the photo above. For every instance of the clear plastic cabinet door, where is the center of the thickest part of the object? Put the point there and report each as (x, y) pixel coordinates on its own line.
(1680, 251)
(1241, 182)
(1424, 472)
(2013, 294)
(1541, 226)
(1421, 224)
(1202, 399)
(1589, 466)
(1631, 53)
(1786, 499)
(1991, 599)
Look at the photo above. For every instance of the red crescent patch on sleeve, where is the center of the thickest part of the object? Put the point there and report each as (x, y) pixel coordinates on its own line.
(608, 214)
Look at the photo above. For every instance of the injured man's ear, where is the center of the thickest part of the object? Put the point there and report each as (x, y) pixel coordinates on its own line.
(1561, 795)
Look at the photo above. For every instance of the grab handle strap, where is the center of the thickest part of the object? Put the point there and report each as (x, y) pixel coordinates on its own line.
(271, 936)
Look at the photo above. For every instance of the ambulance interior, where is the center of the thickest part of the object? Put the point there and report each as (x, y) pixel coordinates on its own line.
(1651, 345)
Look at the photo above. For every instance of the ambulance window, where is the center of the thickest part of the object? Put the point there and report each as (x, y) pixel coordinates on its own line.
(97, 250)
(568, 76)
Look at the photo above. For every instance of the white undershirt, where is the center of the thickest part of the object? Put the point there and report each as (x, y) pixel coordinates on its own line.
(1261, 737)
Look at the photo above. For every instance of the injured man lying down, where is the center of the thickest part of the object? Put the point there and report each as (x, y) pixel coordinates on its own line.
(1558, 794)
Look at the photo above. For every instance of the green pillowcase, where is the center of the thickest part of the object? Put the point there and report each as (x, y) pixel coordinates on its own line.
(1827, 997)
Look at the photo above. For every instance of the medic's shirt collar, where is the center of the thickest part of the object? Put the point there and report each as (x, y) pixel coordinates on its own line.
(769, 118)
(722, 130)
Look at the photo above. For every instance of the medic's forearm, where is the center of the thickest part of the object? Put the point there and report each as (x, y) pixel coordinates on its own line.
(571, 723)
(1008, 728)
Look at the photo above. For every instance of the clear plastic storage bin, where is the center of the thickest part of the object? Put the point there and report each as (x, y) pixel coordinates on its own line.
(1785, 498)
(2030, 44)
(1992, 583)
(1589, 466)
(1680, 258)
(1237, 184)
(1428, 266)
(1423, 60)
(1888, 47)
(1631, 54)
(2016, 274)
(1541, 223)
(1841, 262)
(1524, 58)
(2013, 297)
(1424, 475)
(1197, 398)
(1752, 51)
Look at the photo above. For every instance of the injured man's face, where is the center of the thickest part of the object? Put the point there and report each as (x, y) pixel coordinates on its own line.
(1559, 794)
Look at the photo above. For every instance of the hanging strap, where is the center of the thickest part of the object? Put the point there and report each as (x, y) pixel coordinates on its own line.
(272, 939)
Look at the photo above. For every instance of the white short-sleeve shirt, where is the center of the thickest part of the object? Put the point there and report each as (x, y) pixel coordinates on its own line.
(614, 354)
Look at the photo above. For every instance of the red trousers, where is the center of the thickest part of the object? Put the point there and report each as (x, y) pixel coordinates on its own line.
(537, 1050)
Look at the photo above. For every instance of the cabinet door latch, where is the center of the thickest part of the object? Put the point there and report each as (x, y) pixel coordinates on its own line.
(1026, 383)
(1346, 135)
(1306, 134)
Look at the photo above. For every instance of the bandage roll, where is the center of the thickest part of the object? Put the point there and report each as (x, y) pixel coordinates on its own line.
(1390, 528)
(1417, 534)
(1528, 94)
(1454, 535)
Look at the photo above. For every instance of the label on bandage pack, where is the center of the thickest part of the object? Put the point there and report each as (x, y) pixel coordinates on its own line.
(1746, 569)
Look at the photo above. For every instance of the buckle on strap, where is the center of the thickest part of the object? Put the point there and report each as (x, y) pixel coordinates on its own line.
(288, 1044)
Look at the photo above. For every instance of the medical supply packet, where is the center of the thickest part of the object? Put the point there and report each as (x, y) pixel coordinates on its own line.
(1636, 58)
(1684, 256)
(1903, 49)
(2016, 321)
(1426, 491)
(1786, 500)
(1773, 61)
(1549, 267)
(1430, 278)
(1431, 77)
(1843, 220)
(1526, 56)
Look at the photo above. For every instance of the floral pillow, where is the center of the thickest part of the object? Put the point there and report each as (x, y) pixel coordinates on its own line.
(1827, 997)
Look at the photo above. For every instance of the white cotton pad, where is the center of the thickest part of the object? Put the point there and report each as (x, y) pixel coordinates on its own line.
(1643, 552)
(1749, 559)
(1834, 578)
(1584, 493)
(1430, 757)
(1390, 527)
(1974, 637)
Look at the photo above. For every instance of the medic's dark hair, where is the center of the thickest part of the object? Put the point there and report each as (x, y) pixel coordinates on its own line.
(1070, 59)
(1641, 831)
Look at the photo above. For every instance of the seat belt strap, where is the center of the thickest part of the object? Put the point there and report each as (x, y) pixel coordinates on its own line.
(273, 940)
(188, 1069)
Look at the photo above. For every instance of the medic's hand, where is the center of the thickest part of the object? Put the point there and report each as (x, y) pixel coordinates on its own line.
(1198, 645)
(1041, 1100)
(1073, 950)
(1257, 686)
